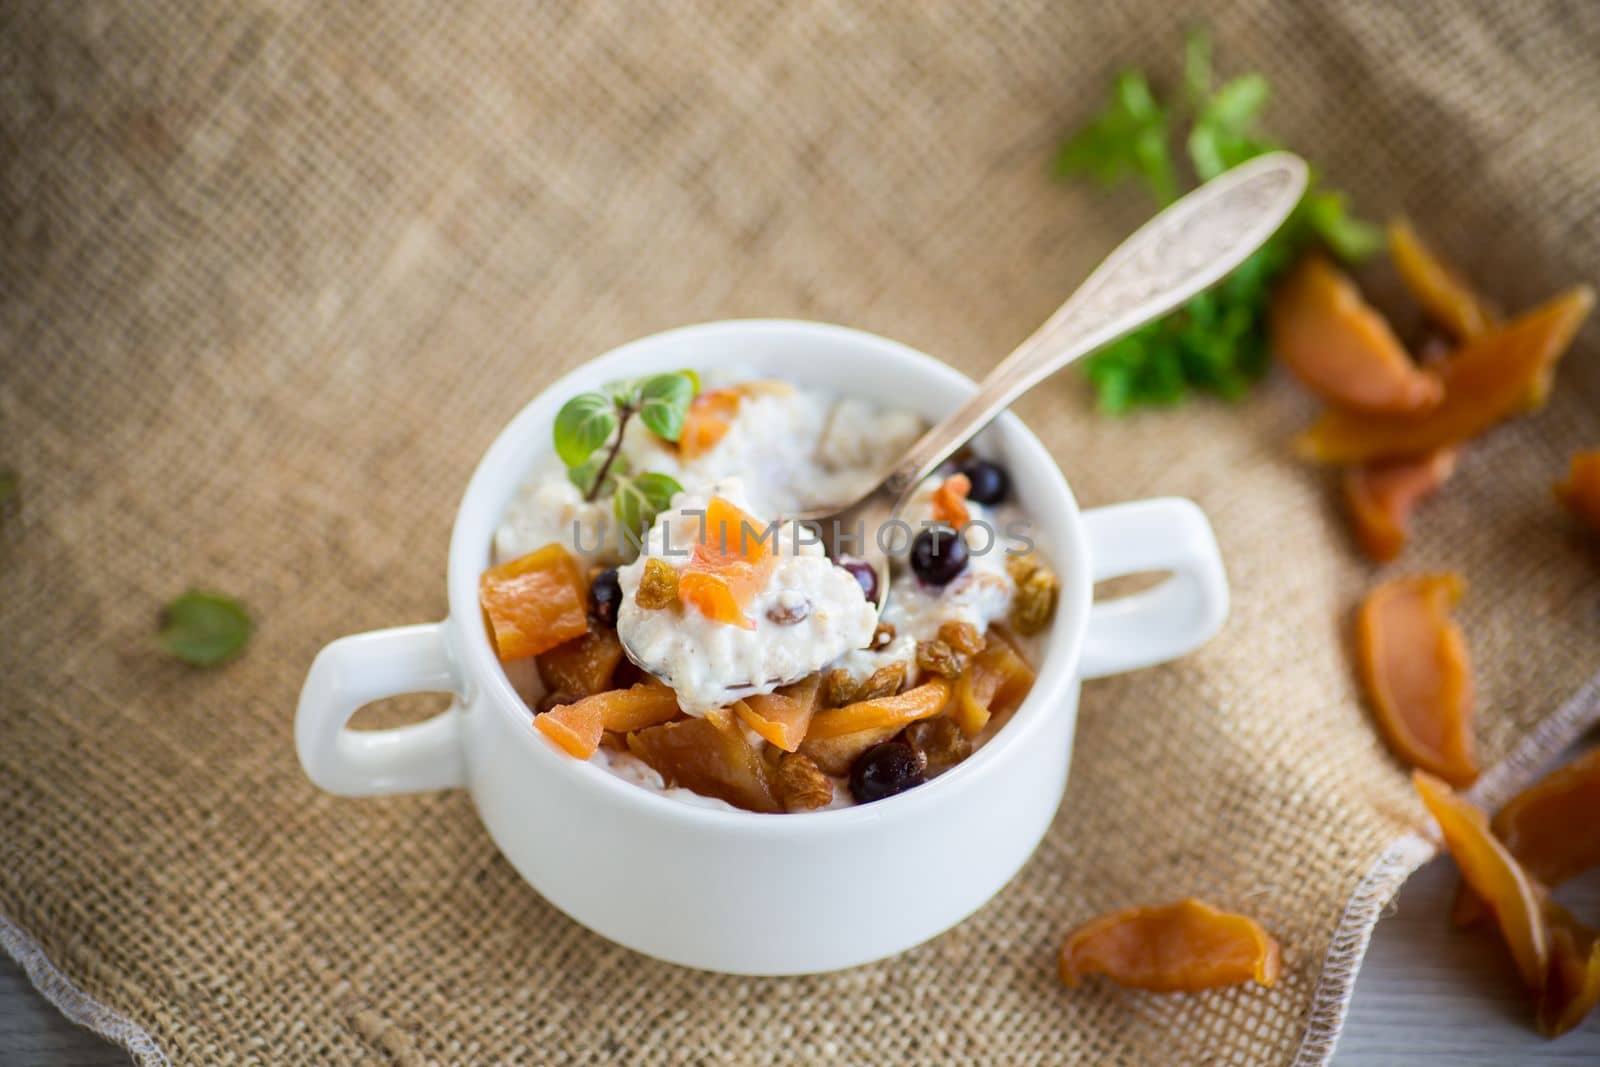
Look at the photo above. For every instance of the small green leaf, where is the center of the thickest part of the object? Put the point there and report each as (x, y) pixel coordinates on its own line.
(584, 474)
(1128, 136)
(663, 403)
(639, 499)
(694, 379)
(8, 485)
(1348, 237)
(1237, 104)
(583, 424)
(1197, 68)
(204, 629)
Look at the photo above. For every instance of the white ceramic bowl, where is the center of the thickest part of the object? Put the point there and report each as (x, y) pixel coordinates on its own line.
(736, 891)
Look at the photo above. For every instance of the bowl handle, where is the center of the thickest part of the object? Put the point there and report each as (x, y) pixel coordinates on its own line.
(1173, 618)
(354, 671)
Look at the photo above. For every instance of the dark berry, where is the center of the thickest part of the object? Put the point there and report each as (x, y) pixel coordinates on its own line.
(604, 595)
(863, 573)
(884, 770)
(938, 555)
(990, 483)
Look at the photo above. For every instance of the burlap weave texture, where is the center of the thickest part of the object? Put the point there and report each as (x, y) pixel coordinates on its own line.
(274, 274)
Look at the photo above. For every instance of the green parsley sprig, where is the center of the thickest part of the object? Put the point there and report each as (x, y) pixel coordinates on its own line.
(1215, 343)
(586, 423)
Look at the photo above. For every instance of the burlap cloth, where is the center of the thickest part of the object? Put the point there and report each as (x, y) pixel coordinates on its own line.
(275, 273)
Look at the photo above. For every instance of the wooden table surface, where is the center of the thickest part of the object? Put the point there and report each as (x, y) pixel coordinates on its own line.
(1426, 995)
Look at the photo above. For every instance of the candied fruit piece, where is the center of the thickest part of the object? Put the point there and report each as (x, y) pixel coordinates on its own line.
(711, 756)
(577, 727)
(1340, 347)
(729, 565)
(1172, 948)
(896, 711)
(1444, 296)
(950, 500)
(1487, 381)
(1513, 897)
(1579, 493)
(709, 416)
(802, 784)
(582, 666)
(994, 685)
(1413, 663)
(1381, 496)
(534, 602)
(782, 717)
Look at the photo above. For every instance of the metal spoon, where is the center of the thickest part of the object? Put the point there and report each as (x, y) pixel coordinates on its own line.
(1189, 246)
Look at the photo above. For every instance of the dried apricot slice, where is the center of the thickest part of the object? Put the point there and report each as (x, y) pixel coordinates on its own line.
(534, 602)
(896, 711)
(1340, 347)
(1551, 828)
(783, 717)
(1513, 897)
(1381, 496)
(1572, 982)
(1443, 294)
(729, 565)
(950, 500)
(577, 727)
(711, 756)
(1489, 380)
(709, 416)
(581, 666)
(1172, 948)
(1413, 663)
(1579, 493)
(994, 684)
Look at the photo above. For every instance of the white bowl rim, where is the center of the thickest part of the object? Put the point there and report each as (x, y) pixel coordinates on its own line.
(469, 554)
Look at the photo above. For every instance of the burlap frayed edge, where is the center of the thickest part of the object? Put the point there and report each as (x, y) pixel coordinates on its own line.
(1329, 1006)
(73, 1002)
(1348, 948)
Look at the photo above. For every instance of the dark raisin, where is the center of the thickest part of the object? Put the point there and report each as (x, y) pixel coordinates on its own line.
(863, 573)
(604, 596)
(884, 770)
(990, 483)
(938, 555)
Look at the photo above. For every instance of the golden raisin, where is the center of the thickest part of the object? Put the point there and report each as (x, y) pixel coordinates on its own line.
(883, 682)
(939, 742)
(658, 586)
(937, 657)
(1019, 567)
(839, 688)
(961, 636)
(1035, 600)
(801, 783)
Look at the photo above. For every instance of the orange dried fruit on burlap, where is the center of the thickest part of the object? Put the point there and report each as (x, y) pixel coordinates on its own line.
(1579, 492)
(1552, 828)
(891, 711)
(1487, 381)
(577, 727)
(1340, 347)
(950, 500)
(1381, 496)
(782, 717)
(1413, 663)
(728, 566)
(1572, 981)
(1173, 948)
(534, 602)
(582, 666)
(1443, 294)
(994, 684)
(707, 421)
(1515, 900)
(711, 756)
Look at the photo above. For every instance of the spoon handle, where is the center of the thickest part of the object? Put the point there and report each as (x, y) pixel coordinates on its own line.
(1189, 246)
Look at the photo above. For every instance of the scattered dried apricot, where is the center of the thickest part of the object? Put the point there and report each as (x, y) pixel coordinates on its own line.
(1494, 875)
(711, 756)
(1489, 380)
(582, 666)
(896, 711)
(1444, 296)
(783, 717)
(577, 727)
(1413, 663)
(1572, 982)
(994, 685)
(1340, 347)
(1173, 948)
(1579, 493)
(534, 602)
(1381, 496)
(710, 414)
(728, 566)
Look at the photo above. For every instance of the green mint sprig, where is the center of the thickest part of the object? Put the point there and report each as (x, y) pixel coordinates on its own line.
(589, 420)
(1216, 342)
